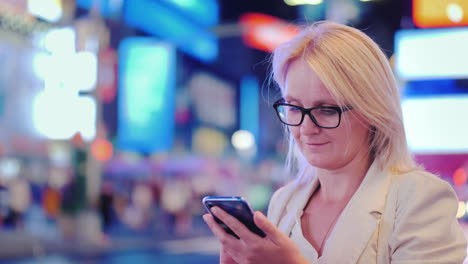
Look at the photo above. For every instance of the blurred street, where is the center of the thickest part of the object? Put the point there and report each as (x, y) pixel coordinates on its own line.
(124, 247)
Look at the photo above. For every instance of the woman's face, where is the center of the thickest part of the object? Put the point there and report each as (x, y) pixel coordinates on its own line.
(329, 149)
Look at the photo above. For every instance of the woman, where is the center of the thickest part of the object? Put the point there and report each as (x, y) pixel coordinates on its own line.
(358, 196)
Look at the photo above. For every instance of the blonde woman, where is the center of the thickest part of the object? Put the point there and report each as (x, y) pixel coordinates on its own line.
(358, 196)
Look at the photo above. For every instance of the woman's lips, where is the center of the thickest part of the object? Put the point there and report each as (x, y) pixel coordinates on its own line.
(316, 146)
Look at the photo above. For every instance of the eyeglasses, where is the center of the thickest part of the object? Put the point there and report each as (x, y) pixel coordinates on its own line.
(322, 116)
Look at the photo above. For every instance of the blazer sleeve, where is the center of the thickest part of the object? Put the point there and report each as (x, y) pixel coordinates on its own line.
(426, 229)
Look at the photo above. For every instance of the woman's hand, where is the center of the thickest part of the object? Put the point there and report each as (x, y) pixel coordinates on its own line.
(276, 247)
(225, 258)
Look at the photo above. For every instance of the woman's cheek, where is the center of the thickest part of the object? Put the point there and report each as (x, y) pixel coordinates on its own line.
(295, 131)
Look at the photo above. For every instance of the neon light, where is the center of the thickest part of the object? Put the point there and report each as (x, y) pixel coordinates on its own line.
(146, 95)
(440, 13)
(249, 105)
(61, 114)
(61, 40)
(242, 140)
(459, 176)
(432, 88)
(432, 53)
(50, 10)
(265, 32)
(101, 150)
(303, 2)
(107, 8)
(203, 12)
(173, 27)
(436, 125)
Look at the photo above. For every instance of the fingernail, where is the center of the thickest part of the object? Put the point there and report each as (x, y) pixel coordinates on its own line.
(215, 210)
(259, 214)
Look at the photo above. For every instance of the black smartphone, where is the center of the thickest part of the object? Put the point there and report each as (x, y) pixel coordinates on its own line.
(235, 206)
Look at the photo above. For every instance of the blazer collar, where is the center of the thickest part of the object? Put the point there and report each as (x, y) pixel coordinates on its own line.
(294, 206)
(363, 210)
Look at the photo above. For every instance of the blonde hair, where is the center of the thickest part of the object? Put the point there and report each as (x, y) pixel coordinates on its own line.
(356, 72)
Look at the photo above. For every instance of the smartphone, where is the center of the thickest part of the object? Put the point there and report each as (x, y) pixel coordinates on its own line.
(235, 206)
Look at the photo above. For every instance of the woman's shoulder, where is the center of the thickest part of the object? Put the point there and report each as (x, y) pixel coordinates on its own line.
(420, 184)
(421, 213)
(419, 179)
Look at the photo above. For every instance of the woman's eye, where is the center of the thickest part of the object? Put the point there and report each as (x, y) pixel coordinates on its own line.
(293, 109)
(327, 111)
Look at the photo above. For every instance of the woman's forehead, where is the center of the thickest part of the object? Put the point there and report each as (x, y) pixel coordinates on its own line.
(308, 94)
(302, 84)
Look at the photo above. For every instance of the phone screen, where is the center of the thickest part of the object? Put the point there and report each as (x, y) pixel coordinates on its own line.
(235, 206)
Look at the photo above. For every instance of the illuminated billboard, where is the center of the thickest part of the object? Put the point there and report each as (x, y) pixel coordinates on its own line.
(422, 54)
(146, 96)
(164, 21)
(440, 13)
(434, 125)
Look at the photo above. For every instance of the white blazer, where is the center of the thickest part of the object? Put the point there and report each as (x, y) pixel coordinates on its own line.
(399, 219)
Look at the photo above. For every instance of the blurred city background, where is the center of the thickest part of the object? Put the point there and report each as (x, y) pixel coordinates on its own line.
(118, 116)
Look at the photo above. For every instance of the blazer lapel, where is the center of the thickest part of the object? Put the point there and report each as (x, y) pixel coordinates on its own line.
(359, 219)
(298, 199)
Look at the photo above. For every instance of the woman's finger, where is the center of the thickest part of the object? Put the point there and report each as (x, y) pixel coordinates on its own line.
(230, 244)
(219, 232)
(235, 225)
(272, 232)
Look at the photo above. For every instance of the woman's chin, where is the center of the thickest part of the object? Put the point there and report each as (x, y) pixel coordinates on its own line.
(321, 163)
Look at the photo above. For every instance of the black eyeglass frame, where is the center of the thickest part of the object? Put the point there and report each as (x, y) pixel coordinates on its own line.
(308, 111)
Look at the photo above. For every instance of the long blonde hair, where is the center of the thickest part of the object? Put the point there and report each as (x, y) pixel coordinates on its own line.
(356, 72)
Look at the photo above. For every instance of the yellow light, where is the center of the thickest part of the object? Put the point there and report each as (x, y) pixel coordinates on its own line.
(242, 140)
(461, 210)
(209, 141)
(303, 2)
(454, 12)
(50, 10)
(441, 13)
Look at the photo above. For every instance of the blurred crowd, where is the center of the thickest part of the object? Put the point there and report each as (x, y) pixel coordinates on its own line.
(159, 195)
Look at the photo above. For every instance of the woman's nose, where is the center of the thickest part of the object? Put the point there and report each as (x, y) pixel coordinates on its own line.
(308, 125)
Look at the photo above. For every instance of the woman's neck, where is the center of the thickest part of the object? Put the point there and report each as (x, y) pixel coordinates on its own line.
(340, 184)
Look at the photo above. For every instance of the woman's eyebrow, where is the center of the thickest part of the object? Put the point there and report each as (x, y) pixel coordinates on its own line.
(290, 99)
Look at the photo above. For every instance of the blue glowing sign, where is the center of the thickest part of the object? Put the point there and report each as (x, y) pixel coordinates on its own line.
(249, 105)
(430, 88)
(203, 12)
(107, 8)
(159, 19)
(146, 95)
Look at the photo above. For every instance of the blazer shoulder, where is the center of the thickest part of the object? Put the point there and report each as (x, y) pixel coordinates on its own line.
(423, 189)
(424, 224)
(420, 181)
